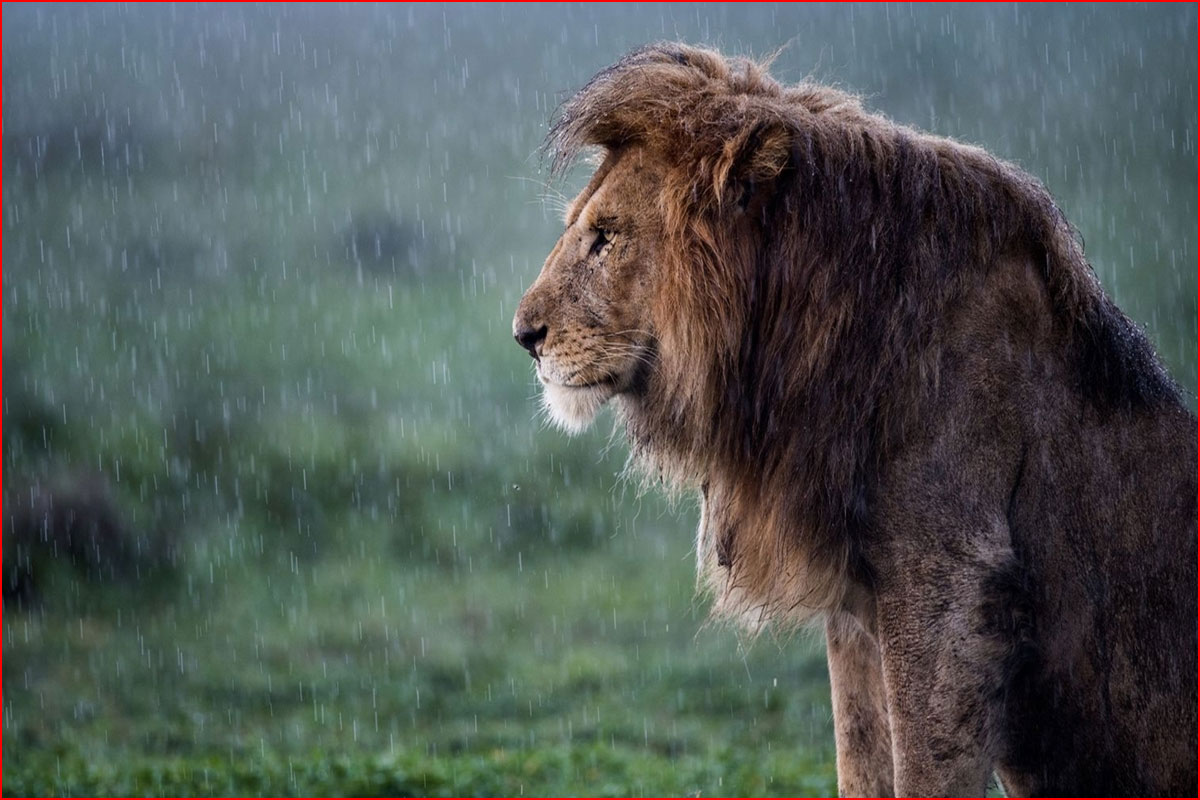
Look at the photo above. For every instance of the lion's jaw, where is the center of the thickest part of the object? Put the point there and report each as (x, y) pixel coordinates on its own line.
(574, 408)
(575, 386)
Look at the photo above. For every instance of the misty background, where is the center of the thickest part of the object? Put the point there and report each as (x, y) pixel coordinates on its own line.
(280, 512)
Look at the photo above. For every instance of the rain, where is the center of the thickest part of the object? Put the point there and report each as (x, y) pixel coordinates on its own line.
(282, 514)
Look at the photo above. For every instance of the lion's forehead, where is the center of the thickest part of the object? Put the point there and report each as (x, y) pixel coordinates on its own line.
(589, 204)
(615, 188)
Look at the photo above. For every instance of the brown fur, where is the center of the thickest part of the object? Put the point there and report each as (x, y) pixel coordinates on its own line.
(909, 406)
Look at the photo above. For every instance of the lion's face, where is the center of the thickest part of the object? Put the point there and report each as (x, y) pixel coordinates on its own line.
(586, 319)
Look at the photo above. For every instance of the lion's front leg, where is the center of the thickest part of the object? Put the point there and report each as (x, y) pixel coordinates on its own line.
(942, 672)
(860, 715)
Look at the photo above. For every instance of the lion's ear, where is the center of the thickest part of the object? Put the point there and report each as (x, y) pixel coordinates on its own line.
(750, 162)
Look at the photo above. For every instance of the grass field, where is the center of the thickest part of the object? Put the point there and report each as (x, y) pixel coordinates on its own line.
(587, 671)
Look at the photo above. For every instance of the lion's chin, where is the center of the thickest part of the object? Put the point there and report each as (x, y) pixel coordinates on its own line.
(574, 408)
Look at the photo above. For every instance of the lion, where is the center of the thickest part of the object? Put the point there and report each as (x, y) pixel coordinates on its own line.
(909, 410)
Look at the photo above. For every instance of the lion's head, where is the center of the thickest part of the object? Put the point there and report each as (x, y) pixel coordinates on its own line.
(643, 291)
(759, 275)
(586, 319)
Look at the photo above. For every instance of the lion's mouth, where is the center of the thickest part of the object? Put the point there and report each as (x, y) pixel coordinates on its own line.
(607, 382)
(603, 382)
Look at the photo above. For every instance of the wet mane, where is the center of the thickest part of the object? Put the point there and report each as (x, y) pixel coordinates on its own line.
(813, 253)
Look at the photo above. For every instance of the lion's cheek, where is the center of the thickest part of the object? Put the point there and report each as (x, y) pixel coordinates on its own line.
(572, 410)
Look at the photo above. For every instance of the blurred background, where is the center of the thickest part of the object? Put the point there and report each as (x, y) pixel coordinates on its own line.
(280, 513)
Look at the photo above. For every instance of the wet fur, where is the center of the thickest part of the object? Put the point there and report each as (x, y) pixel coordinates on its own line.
(912, 411)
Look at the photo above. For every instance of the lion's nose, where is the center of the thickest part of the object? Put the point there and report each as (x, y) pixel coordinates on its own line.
(530, 338)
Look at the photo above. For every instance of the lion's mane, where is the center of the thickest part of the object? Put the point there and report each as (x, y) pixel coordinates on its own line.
(795, 348)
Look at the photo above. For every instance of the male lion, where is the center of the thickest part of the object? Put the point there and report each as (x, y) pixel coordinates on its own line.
(910, 410)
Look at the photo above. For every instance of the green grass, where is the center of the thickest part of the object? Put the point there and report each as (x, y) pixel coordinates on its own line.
(561, 770)
(586, 673)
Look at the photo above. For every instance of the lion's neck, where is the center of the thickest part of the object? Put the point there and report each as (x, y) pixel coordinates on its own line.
(760, 553)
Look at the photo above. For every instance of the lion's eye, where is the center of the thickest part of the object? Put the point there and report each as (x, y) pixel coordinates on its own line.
(603, 237)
